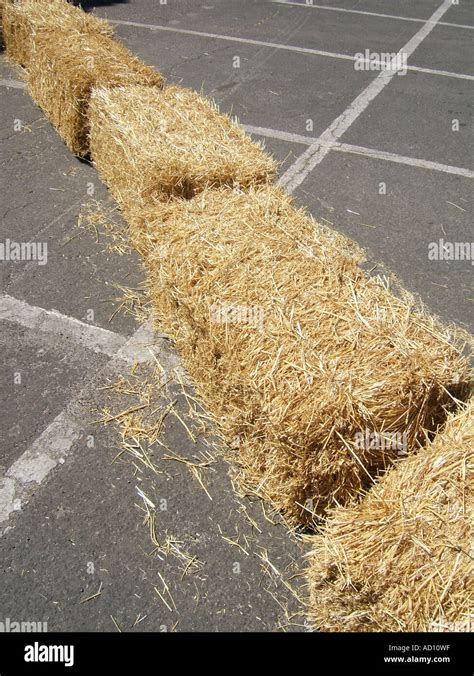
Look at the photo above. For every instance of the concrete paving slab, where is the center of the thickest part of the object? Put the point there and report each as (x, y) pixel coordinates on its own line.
(81, 278)
(446, 48)
(39, 376)
(462, 12)
(317, 29)
(415, 116)
(419, 207)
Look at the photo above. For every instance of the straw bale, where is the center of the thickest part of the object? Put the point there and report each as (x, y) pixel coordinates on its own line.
(149, 145)
(295, 350)
(66, 69)
(2, 5)
(402, 559)
(25, 21)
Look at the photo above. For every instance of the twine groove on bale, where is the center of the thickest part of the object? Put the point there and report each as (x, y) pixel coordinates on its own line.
(67, 68)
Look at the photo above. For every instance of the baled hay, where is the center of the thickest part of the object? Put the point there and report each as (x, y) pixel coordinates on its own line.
(2, 5)
(294, 349)
(148, 144)
(24, 22)
(66, 69)
(402, 559)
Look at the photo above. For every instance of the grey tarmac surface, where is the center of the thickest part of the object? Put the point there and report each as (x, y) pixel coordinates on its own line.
(81, 529)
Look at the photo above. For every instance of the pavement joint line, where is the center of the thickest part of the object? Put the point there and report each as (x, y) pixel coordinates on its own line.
(40, 232)
(297, 172)
(365, 13)
(51, 448)
(60, 216)
(54, 323)
(360, 150)
(276, 45)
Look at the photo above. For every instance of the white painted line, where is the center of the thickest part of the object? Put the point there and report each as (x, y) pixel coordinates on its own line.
(359, 11)
(53, 446)
(8, 501)
(95, 338)
(137, 348)
(360, 150)
(48, 450)
(445, 73)
(15, 84)
(281, 135)
(231, 38)
(275, 45)
(54, 323)
(402, 159)
(296, 174)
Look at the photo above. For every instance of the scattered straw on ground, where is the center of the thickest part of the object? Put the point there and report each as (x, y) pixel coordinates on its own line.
(104, 221)
(68, 66)
(169, 545)
(24, 22)
(402, 560)
(317, 374)
(147, 144)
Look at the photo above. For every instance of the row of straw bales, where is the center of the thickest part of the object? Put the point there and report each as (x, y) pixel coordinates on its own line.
(336, 354)
(67, 53)
(299, 354)
(294, 349)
